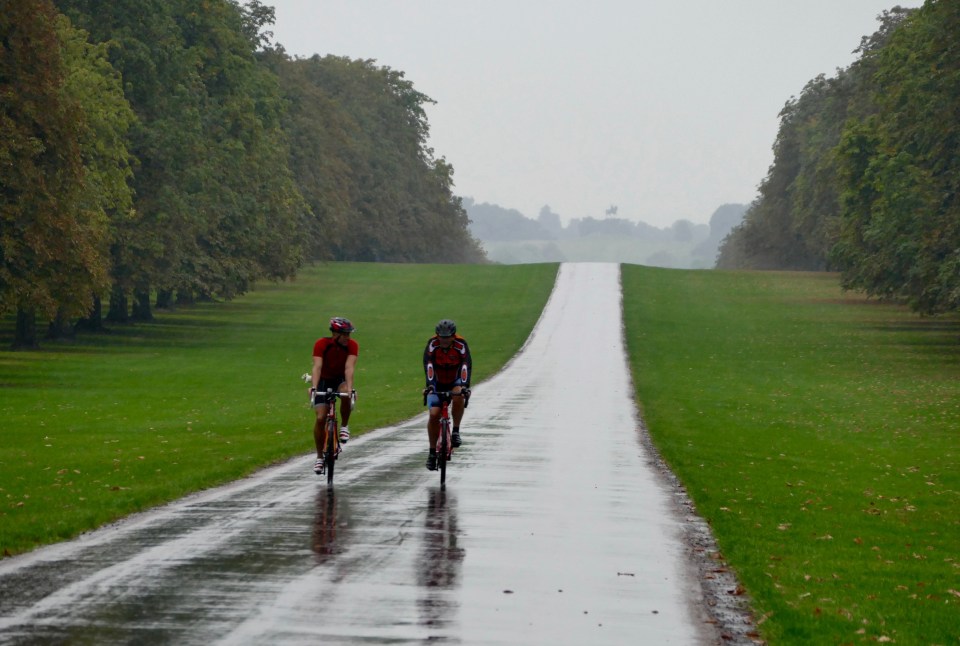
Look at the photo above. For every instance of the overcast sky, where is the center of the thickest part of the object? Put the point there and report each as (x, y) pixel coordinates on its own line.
(665, 109)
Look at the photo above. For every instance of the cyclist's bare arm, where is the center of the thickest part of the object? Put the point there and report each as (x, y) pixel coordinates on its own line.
(317, 365)
(348, 371)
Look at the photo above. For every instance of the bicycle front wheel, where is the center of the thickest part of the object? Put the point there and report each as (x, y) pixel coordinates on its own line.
(444, 449)
(333, 446)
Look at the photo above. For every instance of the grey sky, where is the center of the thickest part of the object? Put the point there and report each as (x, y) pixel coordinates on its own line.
(665, 109)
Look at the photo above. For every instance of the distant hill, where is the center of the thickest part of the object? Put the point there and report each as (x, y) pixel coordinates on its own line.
(510, 237)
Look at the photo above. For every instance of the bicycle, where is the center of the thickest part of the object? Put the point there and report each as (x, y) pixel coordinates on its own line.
(444, 446)
(331, 444)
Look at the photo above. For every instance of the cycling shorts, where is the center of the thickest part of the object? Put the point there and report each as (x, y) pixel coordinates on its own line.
(333, 384)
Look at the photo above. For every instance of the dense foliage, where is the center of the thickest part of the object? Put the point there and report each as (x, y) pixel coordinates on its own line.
(866, 171)
(372, 184)
(165, 149)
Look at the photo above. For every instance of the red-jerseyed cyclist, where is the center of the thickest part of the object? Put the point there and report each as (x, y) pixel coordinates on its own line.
(334, 360)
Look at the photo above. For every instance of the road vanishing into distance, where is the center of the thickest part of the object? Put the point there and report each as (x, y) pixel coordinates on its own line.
(554, 527)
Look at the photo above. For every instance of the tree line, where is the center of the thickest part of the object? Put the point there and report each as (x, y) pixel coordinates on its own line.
(157, 152)
(865, 173)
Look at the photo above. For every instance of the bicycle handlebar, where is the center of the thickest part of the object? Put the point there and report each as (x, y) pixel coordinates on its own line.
(329, 395)
(465, 393)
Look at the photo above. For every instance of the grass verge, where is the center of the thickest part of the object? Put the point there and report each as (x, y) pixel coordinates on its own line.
(116, 423)
(819, 435)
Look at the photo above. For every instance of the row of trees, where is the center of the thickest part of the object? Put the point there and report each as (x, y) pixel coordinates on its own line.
(866, 169)
(165, 149)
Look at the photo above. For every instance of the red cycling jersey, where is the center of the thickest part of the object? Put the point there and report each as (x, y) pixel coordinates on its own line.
(334, 356)
(444, 366)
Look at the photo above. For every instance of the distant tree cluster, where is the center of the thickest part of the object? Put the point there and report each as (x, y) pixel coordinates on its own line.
(543, 239)
(866, 173)
(491, 222)
(162, 151)
(496, 223)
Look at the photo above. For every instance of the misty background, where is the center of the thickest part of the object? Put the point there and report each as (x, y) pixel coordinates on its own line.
(510, 237)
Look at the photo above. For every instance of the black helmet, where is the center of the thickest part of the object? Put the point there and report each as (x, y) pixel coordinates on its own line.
(342, 325)
(446, 327)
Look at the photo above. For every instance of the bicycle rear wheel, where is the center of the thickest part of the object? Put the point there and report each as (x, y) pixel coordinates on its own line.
(330, 456)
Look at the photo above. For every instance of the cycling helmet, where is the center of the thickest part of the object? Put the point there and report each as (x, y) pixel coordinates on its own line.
(340, 324)
(446, 327)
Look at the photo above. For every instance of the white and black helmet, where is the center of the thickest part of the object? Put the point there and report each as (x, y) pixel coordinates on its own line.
(446, 327)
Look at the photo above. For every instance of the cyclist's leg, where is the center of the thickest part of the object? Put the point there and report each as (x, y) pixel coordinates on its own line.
(319, 438)
(433, 423)
(433, 426)
(346, 407)
(456, 408)
(319, 429)
(433, 430)
(456, 413)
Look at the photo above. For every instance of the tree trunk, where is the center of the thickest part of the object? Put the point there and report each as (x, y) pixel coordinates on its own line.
(25, 336)
(185, 297)
(94, 320)
(118, 306)
(141, 305)
(165, 299)
(60, 327)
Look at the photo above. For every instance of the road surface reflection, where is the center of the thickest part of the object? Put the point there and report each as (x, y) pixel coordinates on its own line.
(441, 561)
(331, 526)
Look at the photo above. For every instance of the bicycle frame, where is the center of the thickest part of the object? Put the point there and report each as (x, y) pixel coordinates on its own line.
(444, 446)
(331, 442)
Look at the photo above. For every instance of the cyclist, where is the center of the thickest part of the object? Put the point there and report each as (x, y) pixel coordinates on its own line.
(447, 366)
(334, 360)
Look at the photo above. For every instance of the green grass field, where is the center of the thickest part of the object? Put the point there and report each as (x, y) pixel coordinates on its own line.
(819, 435)
(116, 423)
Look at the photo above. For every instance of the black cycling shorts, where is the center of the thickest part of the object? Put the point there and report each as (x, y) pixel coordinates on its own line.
(333, 384)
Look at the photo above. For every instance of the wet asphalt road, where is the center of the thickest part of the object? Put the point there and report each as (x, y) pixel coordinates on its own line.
(552, 528)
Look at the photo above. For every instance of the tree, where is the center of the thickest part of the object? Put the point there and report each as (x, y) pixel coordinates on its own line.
(359, 151)
(217, 204)
(51, 231)
(107, 117)
(794, 222)
(901, 174)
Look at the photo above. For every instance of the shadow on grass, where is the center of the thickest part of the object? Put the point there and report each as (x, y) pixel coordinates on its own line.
(182, 328)
(930, 336)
